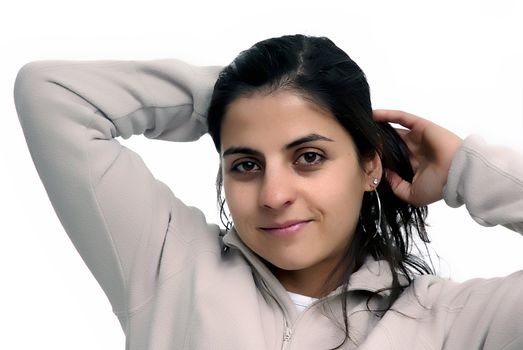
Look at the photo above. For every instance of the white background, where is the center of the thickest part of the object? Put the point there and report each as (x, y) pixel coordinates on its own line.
(458, 63)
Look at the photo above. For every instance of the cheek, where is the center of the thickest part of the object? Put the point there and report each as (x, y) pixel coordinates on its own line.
(340, 194)
(239, 200)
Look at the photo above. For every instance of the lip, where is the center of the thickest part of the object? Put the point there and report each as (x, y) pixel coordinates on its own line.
(286, 228)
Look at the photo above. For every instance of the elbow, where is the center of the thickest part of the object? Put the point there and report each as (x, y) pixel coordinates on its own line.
(28, 77)
(27, 81)
(31, 88)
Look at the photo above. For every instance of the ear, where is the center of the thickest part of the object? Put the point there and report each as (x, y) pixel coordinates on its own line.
(373, 172)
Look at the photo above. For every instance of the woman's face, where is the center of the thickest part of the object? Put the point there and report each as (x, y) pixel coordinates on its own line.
(292, 181)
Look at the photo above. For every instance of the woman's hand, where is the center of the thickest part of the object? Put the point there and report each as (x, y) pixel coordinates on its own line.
(431, 149)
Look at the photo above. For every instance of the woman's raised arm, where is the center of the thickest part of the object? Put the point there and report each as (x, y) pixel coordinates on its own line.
(111, 206)
(487, 179)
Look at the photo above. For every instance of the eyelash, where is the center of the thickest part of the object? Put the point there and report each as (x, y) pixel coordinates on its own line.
(235, 167)
(318, 159)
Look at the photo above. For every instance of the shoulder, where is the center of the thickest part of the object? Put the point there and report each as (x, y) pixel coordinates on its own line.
(434, 293)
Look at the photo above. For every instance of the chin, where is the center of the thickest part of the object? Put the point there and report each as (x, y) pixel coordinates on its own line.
(287, 265)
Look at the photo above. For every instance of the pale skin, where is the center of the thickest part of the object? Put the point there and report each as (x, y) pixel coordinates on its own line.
(294, 185)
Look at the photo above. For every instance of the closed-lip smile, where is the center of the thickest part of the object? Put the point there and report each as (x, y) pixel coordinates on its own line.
(284, 228)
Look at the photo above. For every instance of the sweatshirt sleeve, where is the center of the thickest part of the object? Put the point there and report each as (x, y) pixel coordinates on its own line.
(113, 209)
(489, 181)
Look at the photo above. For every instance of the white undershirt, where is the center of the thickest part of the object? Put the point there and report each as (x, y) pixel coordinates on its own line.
(301, 301)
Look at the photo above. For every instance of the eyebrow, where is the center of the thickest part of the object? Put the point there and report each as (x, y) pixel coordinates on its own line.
(241, 150)
(307, 138)
(297, 142)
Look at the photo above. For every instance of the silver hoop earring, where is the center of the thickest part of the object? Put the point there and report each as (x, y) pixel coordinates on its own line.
(378, 224)
(225, 217)
(228, 224)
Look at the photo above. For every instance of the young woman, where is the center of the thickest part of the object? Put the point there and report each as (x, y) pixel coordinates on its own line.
(324, 198)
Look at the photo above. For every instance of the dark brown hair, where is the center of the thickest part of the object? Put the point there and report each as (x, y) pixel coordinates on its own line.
(318, 70)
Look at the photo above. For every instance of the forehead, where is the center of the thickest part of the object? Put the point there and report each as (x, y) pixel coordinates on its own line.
(275, 119)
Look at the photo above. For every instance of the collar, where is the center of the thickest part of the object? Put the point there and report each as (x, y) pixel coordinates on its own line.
(372, 276)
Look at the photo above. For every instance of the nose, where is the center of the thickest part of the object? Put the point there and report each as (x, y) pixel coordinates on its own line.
(278, 188)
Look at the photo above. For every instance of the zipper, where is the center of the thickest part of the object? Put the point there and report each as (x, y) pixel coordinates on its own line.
(287, 335)
(234, 241)
(288, 332)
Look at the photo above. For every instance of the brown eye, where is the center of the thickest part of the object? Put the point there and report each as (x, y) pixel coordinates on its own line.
(310, 158)
(245, 167)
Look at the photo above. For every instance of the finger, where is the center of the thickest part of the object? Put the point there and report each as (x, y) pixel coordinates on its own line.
(412, 146)
(409, 138)
(394, 116)
(400, 187)
(402, 132)
(404, 135)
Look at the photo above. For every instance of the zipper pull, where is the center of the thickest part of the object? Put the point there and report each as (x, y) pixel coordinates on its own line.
(287, 335)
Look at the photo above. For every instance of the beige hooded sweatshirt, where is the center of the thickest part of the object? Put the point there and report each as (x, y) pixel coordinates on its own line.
(177, 282)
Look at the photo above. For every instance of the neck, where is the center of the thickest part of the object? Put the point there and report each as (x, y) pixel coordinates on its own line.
(312, 282)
